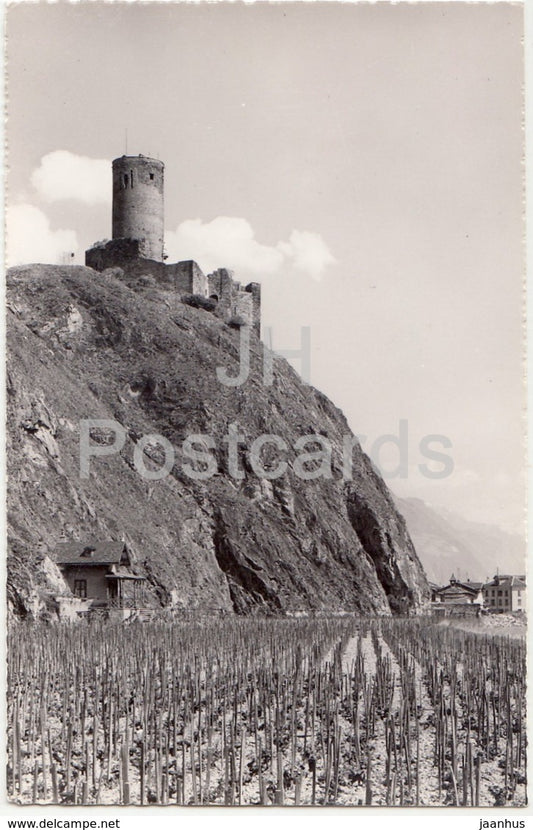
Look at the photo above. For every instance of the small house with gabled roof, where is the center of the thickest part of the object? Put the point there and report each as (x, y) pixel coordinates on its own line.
(457, 598)
(101, 573)
(458, 592)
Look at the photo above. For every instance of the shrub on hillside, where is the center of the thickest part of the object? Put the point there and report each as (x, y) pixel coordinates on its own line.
(198, 301)
(146, 279)
(114, 271)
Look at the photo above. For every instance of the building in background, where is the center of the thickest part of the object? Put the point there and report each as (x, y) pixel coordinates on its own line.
(505, 593)
(457, 598)
(459, 592)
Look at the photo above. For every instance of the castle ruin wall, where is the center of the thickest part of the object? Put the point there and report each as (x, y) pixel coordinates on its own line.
(137, 245)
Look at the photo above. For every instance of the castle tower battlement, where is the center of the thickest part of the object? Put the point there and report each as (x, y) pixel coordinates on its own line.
(137, 246)
(138, 203)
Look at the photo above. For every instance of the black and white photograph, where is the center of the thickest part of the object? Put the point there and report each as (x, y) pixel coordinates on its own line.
(265, 407)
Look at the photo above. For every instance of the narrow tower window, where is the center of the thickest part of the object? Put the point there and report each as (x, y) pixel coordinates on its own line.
(125, 179)
(151, 177)
(131, 177)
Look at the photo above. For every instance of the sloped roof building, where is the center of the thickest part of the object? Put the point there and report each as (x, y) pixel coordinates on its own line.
(101, 573)
(505, 593)
(459, 592)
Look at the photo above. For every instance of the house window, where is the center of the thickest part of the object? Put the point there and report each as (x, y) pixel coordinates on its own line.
(80, 588)
(87, 552)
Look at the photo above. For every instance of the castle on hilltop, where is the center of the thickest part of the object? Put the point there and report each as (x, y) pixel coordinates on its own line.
(137, 245)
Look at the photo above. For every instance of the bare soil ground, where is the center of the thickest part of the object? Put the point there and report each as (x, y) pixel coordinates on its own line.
(351, 712)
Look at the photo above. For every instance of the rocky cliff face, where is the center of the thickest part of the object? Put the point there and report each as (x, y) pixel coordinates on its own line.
(87, 345)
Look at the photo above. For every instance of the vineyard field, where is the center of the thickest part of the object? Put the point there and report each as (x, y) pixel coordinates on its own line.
(249, 711)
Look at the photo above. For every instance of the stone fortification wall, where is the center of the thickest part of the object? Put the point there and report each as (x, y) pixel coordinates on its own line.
(137, 245)
(233, 301)
(191, 277)
(254, 289)
(222, 287)
(187, 277)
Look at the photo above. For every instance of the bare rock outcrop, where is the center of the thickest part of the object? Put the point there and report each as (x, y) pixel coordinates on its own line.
(87, 345)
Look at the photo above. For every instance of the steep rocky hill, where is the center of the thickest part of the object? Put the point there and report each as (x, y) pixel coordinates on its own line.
(88, 345)
(447, 543)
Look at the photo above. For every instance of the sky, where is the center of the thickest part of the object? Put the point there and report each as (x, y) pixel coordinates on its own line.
(362, 161)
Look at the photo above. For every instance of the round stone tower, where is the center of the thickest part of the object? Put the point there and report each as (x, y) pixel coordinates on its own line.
(138, 203)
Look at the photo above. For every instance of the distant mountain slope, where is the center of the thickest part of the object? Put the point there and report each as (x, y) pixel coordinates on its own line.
(447, 543)
(88, 345)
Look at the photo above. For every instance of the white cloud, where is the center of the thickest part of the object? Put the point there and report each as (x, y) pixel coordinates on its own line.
(64, 175)
(309, 252)
(229, 241)
(226, 242)
(29, 237)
